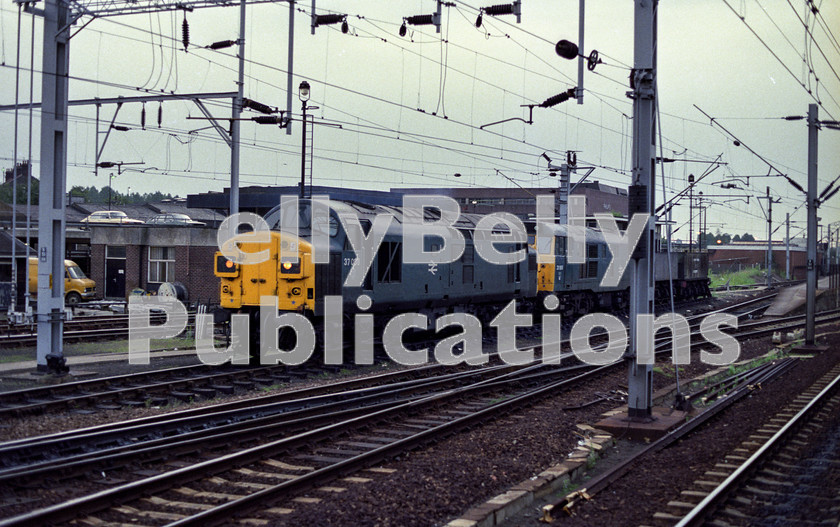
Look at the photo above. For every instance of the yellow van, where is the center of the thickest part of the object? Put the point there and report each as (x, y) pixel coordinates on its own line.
(77, 286)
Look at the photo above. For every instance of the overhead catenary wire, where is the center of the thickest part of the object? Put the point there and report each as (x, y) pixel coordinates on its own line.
(618, 171)
(810, 37)
(398, 131)
(827, 29)
(778, 59)
(588, 122)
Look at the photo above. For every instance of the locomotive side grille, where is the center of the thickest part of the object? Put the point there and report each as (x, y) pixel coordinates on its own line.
(327, 280)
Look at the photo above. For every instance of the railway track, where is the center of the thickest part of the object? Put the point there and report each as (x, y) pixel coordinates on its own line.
(83, 322)
(755, 287)
(775, 478)
(239, 480)
(156, 387)
(762, 374)
(96, 327)
(289, 409)
(85, 327)
(790, 476)
(360, 436)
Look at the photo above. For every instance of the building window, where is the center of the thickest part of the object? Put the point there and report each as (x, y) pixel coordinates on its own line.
(161, 264)
(115, 251)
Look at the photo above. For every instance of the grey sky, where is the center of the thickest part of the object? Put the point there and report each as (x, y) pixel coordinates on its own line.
(373, 82)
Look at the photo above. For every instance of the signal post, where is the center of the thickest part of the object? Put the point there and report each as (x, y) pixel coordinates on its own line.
(641, 420)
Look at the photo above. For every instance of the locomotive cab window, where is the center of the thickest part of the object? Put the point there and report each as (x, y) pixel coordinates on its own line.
(331, 228)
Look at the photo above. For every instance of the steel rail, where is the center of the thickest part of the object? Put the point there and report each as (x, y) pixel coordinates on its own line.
(310, 391)
(15, 455)
(761, 374)
(534, 374)
(110, 434)
(103, 499)
(192, 443)
(601, 482)
(263, 427)
(699, 513)
(114, 326)
(732, 307)
(53, 395)
(821, 319)
(146, 385)
(218, 515)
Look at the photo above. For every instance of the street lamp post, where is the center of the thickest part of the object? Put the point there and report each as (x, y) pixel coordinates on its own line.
(701, 236)
(111, 164)
(691, 211)
(303, 95)
(110, 188)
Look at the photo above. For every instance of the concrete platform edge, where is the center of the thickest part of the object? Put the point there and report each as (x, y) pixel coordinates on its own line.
(495, 510)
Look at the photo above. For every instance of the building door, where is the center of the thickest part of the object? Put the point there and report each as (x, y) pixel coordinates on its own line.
(115, 271)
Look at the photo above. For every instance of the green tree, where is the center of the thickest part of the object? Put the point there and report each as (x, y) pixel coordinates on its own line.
(100, 196)
(23, 178)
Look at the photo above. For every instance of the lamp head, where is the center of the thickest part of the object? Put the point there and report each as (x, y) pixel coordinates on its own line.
(303, 91)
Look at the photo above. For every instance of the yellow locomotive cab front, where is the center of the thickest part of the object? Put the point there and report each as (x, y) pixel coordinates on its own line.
(291, 280)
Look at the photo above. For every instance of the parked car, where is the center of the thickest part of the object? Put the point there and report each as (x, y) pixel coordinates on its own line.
(173, 218)
(110, 216)
(77, 286)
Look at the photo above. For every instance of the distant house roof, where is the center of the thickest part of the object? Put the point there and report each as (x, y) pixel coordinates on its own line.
(145, 211)
(21, 250)
(263, 199)
(6, 213)
(180, 206)
(754, 246)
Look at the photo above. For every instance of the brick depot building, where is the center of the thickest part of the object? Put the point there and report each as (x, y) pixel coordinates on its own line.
(127, 257)
(743, 255)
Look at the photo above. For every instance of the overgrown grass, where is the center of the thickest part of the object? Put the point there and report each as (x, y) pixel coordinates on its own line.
(745, 277)
(734, 370)
(667, 370)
